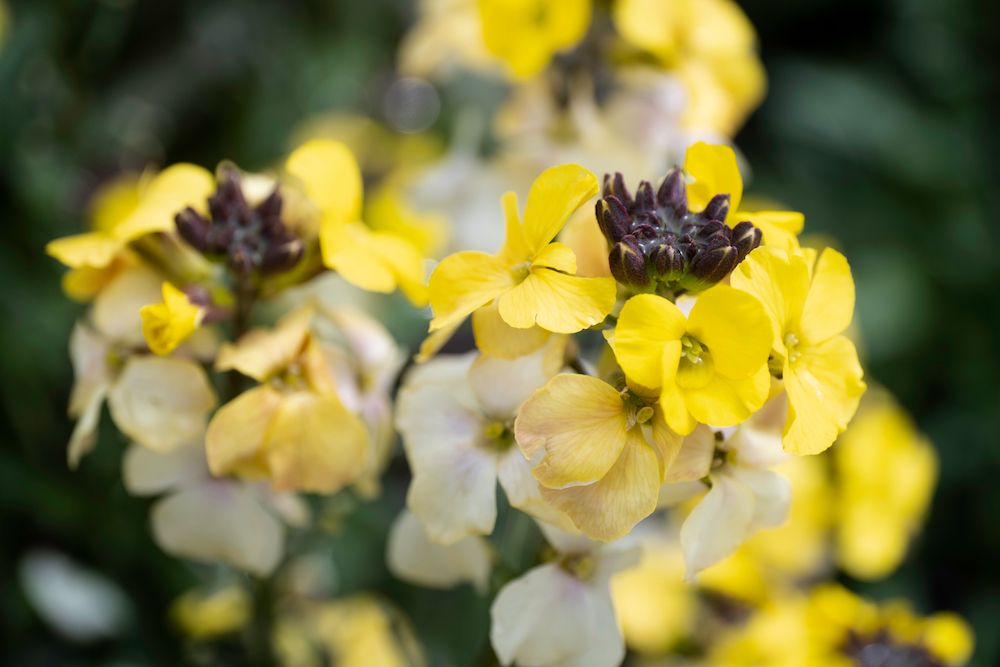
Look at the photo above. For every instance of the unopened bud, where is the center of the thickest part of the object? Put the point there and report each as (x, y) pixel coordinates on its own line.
(281, 256)
(668, 261)
(717, 208)
(241, 259)
(613, 218)
(645, 200)
(619, 190)
(713, 264)
(672, 193)
(193, 228)
(627, 263)
(746, 237)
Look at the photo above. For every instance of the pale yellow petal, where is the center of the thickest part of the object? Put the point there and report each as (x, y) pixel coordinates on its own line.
(829, 306)
(648, 326)
(554, 196)
(780, 229)
(558, 302)
(496, 338)
(727, 402)
(261, 353)
(464, 282)
(714, 171)
(237, 434)
(572, 430)
(331, 177)
(167, 194)
(93, 249)
(610, 507)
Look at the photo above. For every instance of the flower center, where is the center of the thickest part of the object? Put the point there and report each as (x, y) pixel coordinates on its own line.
(696, 368)
(581, 566)
(792, 346)
(498, 435)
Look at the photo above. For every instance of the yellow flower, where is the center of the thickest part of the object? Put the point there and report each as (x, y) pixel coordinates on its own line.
(526, 34)
(532, 279)
(598, 456)
(710, 45)
(709, 368)
(389, 211)
(206, 615)
(168, 324)
(886, 472)
(809, 308)
(713, 170)
(293, 428)
(377, 261)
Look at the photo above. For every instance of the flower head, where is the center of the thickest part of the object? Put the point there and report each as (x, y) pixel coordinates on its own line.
(168, 324)
(526, 34)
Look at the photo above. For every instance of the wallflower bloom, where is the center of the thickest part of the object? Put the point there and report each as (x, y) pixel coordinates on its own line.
(526, 34)
(293, 428)
(809, 307)
(886, 473)
(412, 556)
(531, 278)
(560, 613)
(709, 368)
(168, 324)
(456, 417)
(377, 261)
(713, 170)
(598, 454)
(204, 615)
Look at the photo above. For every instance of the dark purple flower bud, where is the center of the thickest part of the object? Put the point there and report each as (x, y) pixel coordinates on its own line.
(672, 193)
(746, 237)
(668, 261)
(193, 228)
(645, 200)
(619, 190)
(713, 264)
(219, 239)
(614, 219)
(627, 263)
(717, 208)
(281, 256)
(711, 230)
(241, 259)
(269, 212)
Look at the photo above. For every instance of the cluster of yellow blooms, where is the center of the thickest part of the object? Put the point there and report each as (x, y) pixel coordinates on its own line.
(654, 372)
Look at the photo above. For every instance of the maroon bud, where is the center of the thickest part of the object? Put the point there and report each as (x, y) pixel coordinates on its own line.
(668, 261)
(279, 257)
(614, 218)
(746, 237)
(717, 208)
(672, 193)
(620, 191)
(713, 229)
(645, 200)
(241, 259)
(193, 228)
(713, 264)
(627, 263)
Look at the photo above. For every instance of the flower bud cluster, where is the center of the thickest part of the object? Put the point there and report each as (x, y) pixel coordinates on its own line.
(655, 240)
(249, 238)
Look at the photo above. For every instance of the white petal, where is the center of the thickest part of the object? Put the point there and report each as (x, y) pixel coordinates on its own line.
(521, 487)
(694, 459)
(147, 473)
(568, 541)
(162, 403)
(718, 524)
(502, 385)
(549, 618)
(675, 494)
(453, 490)
(219, 521)
(115, 312)
(88, 351)
(84, 435)
(411, 556)
(757, 441)
(772, 496)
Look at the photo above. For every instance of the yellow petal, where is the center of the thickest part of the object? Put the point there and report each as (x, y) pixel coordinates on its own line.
(116, 200)
(609, 508)
(93, 249)
(464, 282)
(236, 436)
(554, 196)
(167, 194)
(315, 444)
(714, 171)
(948, 637)
(780, 282)
(496, 338)
(525, 34)
(647, 326)
(727, 402)
(572, 429)
(780, 229)
(435, 341)
(735, 328)
(515, 246)
(556, 256)
(664, 440)
(824, 386)
(331, 177)
(166, 325)
(261, 353)
(84, 283)
(829, 305)
(558, 302)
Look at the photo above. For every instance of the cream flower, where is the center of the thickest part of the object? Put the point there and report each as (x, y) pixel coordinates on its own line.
(413, 557)
(560, 614)
(456, 416)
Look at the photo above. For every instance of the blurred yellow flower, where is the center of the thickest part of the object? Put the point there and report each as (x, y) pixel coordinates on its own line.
(167, 324)
(526, 34)
(886, 472)
(293, 428)
(713, 170)
(206, 615)
(597, 457)
(377, 261)
(709, 367)
(532, 279)
(809, 307)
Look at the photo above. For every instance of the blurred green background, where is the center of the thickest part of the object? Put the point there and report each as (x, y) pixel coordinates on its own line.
(880, 125)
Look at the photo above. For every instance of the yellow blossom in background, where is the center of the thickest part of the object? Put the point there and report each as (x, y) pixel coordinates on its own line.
(713, 170)
(204, 616)
(377, 261)
(710, 45)
(597, 458)
(709, 367)
(168, 324)
(389, 211)
(886, 472)
(810, 308)
(532, 278)
(526, 34)
(292, 428)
